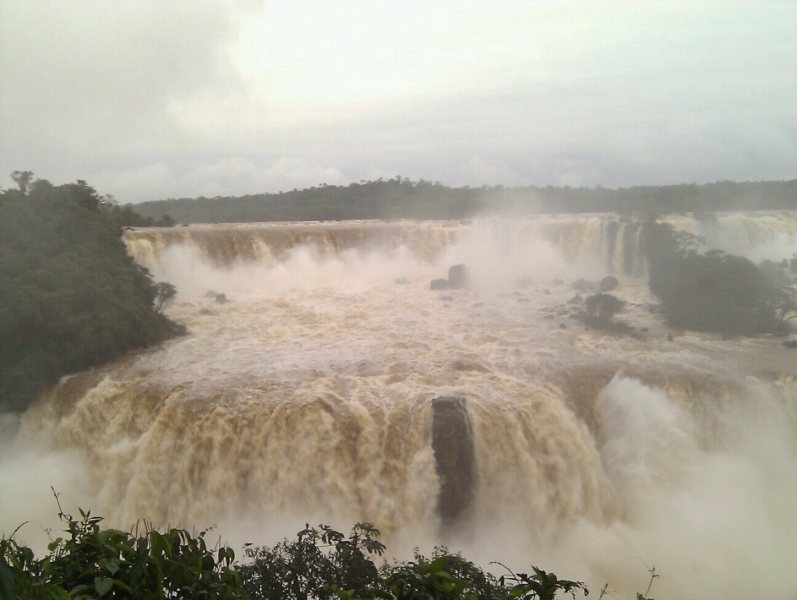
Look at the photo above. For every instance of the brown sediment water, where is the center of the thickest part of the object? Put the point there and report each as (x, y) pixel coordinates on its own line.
(309, 396)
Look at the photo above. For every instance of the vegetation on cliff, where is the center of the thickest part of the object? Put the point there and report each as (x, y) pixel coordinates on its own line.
(403, 198)
(715, 291)
(70, 295)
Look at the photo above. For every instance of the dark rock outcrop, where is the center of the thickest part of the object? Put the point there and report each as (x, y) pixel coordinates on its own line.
(439, 284)
(582, 285)
(458, 277)
(221, 298)
(452, 443)
(607, 284)
(177, 328)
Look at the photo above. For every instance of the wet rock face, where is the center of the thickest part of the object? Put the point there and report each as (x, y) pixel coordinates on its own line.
(458, 277)
(607, 284)
(452, 443)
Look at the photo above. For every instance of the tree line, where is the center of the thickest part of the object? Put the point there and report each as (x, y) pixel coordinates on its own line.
(402, 198)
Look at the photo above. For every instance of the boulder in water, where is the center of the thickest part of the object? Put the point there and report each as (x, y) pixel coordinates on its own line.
(458, 277)
(439, 284)
(452, 443)
(177, 328)
(607, 284)
(582, 285)
(221, 298)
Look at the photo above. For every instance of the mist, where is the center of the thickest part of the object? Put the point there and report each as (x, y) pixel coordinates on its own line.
(305, 397)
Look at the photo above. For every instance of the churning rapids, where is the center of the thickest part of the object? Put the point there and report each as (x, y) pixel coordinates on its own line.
(308, 397)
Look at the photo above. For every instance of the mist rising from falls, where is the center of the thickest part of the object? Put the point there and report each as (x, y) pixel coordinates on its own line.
(605, 243)
(308, 397)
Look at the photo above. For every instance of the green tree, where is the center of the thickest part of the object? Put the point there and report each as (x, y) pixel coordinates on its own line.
(713, 291)
(23, 180)
(164, 294)
(603, 306)
(71, 297)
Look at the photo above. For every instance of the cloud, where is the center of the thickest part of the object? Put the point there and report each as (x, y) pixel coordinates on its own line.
(229, 176)
(88, 81)
(149, 100)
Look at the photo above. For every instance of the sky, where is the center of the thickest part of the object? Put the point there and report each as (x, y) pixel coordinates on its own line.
(151, 100)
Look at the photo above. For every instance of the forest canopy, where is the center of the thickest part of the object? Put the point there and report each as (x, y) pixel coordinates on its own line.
(402, 198)
(70, 295)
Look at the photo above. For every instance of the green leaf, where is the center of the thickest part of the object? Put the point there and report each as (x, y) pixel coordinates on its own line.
(437, 565)
(103, 585)
(123, 585)
(62, 593)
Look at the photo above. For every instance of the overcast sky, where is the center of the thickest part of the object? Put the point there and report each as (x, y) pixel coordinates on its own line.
(149, 100)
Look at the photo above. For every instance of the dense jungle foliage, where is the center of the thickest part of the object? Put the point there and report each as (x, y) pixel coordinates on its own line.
(714, 291)
(70, 295)
(403, 198)
(91, 562)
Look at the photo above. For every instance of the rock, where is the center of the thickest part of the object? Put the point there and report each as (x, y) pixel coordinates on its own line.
(577, 299)
(458, 277)
(177, 328)
(547, 292)
(607, 284)
(669, 337)
(439, 284)
(790, 344)
(793, 265)
(644, 330)
(562, 326)
(402, 281)
(548, 317)
(221, 298)
(582, 285)
(452, 444)
(211, 294)
(523, 300)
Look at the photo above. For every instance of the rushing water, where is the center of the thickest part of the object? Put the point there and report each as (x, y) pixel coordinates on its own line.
(307, 396)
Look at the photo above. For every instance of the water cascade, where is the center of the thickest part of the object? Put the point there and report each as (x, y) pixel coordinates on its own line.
(334, 386)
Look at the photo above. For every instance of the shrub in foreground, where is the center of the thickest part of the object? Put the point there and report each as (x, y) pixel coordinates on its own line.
(91, 562)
